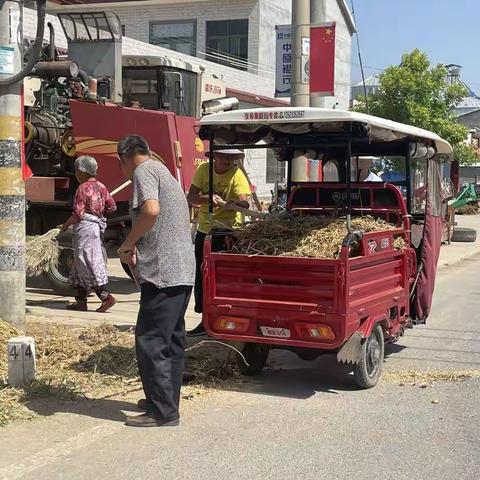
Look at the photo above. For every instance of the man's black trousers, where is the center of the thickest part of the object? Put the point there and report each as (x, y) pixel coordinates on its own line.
(160, 346)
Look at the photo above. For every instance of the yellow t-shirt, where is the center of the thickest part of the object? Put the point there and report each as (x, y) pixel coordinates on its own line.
(228, 186)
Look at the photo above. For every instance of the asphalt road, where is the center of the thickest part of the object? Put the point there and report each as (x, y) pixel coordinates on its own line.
(298, 420)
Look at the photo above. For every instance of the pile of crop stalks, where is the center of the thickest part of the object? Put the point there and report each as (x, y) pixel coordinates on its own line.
(304, 236)
(42, 252)
(414, 377)
(472, 208)
(94, 363)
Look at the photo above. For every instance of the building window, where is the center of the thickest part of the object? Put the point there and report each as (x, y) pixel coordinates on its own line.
(178, 36)
(123, 30)
(227, 43)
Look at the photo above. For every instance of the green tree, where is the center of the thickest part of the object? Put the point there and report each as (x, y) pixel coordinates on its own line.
(417, 93)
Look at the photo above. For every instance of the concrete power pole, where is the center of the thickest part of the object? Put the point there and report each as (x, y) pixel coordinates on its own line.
(12, 190)
(317, 16)
(300, 92)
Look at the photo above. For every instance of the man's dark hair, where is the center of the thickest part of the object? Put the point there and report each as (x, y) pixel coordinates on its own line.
(132, 145)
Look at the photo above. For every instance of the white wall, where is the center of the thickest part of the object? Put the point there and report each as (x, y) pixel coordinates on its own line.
(137, 19)
(236, 79)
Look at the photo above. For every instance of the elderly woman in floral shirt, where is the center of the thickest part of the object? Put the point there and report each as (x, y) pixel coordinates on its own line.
(92, 201)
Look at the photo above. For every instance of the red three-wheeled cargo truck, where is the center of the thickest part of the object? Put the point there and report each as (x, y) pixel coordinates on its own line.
(350, 305)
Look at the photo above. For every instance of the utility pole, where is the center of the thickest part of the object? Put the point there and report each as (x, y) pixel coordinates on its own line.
(12, 190)
(300, 92)
(317, 16)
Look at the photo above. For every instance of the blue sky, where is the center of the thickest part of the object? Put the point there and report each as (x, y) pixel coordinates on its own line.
(448, 31)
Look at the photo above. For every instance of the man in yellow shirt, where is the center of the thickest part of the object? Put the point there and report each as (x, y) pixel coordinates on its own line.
(230, 187)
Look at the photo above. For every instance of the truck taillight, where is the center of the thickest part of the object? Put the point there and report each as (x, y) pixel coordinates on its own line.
(231, 324)
(315, 331)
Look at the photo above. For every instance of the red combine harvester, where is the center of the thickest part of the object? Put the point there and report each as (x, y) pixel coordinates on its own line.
(350, 305)
(80, 105)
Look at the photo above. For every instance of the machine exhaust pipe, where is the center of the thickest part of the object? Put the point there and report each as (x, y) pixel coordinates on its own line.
(51, 46)
(220, 105)
(83, 76)
(65, 68)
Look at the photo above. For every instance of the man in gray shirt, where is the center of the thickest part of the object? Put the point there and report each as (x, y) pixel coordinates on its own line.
(159, 249)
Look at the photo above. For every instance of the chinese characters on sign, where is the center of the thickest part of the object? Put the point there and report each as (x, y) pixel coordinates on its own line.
(274, 115)
(215, 89)
(283, 60)
(283, 73)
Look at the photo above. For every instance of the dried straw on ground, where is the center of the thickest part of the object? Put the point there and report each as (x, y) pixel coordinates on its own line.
(99, 363)
(304, 236)
(469, 209)
(96, 362)
(428, 376)
(42, 251)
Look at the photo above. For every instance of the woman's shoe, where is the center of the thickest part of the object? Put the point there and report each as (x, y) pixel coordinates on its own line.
(108, 303)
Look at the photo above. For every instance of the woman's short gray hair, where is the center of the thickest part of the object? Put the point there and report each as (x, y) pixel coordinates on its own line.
(86, 165)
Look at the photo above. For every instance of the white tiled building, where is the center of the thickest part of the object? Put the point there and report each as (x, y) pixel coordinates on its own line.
(235, 39)
(229, 33)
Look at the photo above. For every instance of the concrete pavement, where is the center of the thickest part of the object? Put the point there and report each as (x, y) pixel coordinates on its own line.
(459, 251)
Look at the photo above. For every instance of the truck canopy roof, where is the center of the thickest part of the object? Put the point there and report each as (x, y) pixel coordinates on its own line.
(302, 120)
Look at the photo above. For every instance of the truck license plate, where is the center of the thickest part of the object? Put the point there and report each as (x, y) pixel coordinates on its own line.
(275, 332)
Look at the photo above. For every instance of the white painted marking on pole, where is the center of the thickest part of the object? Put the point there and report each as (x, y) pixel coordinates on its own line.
(21, 361)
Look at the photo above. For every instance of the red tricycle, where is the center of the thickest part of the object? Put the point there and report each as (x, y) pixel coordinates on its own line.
(350, 305)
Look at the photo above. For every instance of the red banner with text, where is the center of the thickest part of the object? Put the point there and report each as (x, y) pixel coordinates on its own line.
(322, 60)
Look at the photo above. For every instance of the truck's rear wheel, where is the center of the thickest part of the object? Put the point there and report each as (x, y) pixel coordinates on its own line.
(256, 355)
(58, 275)
(367, 372)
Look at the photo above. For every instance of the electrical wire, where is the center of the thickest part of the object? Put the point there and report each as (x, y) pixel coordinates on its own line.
(360, 59)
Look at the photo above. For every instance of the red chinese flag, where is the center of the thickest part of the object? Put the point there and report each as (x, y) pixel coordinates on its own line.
(322, 60)
(26, 172)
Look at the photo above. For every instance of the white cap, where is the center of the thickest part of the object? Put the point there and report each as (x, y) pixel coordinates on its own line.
(229, 151)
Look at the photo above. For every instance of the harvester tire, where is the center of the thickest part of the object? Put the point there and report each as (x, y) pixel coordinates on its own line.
(367, 372)
(256, 355)
(58, 276)
(464, 234)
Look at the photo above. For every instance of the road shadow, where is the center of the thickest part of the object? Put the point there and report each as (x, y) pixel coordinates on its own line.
(117, 285)
(286, 375)
(103, 409)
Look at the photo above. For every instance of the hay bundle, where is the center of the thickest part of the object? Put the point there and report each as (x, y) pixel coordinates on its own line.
(471, 208)
(42, 251)
(303, 236)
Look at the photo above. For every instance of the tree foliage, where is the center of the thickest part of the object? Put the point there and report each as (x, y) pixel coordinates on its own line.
(417, 93)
